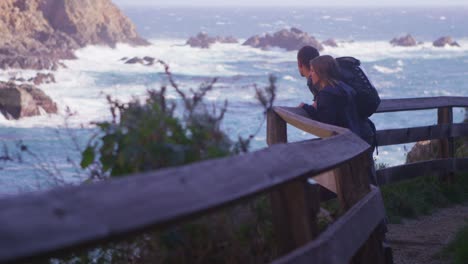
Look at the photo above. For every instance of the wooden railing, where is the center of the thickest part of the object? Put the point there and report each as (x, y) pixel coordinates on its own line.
(41, 225)
(445, 132)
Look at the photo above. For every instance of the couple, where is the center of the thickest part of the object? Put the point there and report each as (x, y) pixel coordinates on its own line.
(334, 101)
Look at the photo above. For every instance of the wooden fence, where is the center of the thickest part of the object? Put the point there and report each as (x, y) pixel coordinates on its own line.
(40, 225)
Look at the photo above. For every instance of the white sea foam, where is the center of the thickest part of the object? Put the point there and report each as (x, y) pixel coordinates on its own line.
(81, 87)
(343, 19)
(371, 51)
(387, 70)
(289, 78)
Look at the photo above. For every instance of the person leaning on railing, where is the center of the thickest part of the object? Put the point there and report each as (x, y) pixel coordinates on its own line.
(335, 102)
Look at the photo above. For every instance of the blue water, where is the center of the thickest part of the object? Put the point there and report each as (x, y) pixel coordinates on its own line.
(364, 33)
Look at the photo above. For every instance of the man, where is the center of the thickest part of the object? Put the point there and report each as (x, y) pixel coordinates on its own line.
(304, 56)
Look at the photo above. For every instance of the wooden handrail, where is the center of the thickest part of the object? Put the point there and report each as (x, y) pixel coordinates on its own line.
(300, 119)
(409, 104)
(422, 168)
(42, 223)
(340, 242)
(414, 134)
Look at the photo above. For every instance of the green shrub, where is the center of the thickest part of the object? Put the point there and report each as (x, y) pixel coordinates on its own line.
(155, 134)
(422, 195)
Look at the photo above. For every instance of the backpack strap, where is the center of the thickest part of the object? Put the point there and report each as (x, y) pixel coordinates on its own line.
(374, 130)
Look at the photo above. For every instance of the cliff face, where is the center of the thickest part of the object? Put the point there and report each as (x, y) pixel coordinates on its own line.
(36, 34)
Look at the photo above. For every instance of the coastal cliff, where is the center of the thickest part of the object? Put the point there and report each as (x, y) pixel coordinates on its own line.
(36, 34)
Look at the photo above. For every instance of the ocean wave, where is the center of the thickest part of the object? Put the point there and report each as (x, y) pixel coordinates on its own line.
(386, 70)
(99, 72)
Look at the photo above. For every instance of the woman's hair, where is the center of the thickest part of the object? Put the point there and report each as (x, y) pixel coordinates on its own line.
(327, 70)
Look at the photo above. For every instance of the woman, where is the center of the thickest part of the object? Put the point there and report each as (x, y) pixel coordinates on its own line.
(335, 104)
(334, 100)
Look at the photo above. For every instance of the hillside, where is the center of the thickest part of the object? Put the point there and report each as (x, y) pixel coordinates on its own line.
(36, 34)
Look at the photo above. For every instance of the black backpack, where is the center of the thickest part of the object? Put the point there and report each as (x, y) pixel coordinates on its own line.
(367, 97)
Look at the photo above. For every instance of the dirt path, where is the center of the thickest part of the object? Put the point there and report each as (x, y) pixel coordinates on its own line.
(417, 241)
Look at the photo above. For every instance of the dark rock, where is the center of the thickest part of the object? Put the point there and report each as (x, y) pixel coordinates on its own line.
(149, 60)
(20, 79)
(135, 60)
(406, 41)
(42, 78)
(124, 59)
(23, 100)
(296, 30)
(447, 40)
(293, 39)
(202, 40)
(330, 43)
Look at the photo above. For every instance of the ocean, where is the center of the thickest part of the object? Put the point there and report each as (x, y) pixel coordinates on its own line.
(364, 33)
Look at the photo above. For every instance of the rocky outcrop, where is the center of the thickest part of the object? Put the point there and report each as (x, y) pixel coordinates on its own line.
(36, 34)
(23, 100)
(42, 78)
(443, 41)
(293, 39)
(202, 40)
(406, 41)
(429, 149)
(39, 79)
(423, 150)
(146, 61)
(330, 42)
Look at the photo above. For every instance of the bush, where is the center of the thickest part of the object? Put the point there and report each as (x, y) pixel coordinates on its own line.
(150, 135)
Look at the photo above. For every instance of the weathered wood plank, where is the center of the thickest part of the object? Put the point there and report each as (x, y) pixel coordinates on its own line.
(42, 223)
(276, 129)
(414, 134)
(446, 145)
(340, 242)
(407, 104)
(418, 169)
(352, 181)
(293, 219)
(298, 118)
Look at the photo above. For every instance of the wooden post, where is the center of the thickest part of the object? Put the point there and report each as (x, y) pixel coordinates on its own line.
(446, 146)
(293, 203)
(352, 181)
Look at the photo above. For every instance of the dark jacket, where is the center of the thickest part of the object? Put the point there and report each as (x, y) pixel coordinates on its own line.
(336, 105)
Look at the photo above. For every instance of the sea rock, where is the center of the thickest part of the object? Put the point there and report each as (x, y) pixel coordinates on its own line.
(17, 101)
(135, 60)
(292, 39)
(406, 41)
(330, 42)
(447, 40)
(39, 79)
(202, 40)
(36, 34)
(42, 78)
(147, 61)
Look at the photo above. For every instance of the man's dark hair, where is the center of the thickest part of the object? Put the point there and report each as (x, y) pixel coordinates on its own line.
(306, 54)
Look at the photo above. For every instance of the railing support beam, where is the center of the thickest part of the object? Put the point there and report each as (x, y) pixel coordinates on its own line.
(446, 146)
(294, 205)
